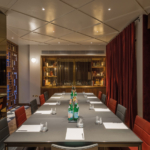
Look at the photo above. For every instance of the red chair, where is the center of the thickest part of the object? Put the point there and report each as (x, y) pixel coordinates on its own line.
(20, 116)
(100, 95)
(112, 104)
(42, 99)
(142, 130)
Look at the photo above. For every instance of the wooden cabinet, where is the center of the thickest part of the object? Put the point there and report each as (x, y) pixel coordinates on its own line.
(77, 71)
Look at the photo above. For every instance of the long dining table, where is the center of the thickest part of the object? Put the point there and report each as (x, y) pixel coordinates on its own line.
(58, 125)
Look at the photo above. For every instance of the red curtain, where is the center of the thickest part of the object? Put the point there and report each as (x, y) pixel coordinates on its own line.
(121, 72)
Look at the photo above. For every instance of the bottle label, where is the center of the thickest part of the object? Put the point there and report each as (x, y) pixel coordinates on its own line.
(70, 114)
(76, 115)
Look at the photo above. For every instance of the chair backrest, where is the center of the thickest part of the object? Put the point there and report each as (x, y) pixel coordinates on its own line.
(46, 95)
(99, 94)
(142, 130)
(20, 116)
(4, 131)
(89, 147)
(121, 112)
(42, 99)
(103, 99)
(112, 105)
(34, 106)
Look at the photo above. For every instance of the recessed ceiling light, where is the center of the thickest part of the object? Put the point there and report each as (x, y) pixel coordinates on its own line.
(91, 42)
(12, 38)
(53, 31)
(58, 42)
(43, 9)
(97, 31)
(109, 9)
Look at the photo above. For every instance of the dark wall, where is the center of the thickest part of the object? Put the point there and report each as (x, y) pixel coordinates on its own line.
(146, 69)
(2, 70)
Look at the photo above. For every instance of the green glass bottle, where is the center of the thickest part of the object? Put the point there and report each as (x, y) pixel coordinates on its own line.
(76, 111)
(70, 111)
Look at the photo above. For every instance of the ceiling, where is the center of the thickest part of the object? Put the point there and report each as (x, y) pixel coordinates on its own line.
(69, 22)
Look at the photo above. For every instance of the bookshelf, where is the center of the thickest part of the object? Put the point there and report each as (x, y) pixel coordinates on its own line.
(12, 75)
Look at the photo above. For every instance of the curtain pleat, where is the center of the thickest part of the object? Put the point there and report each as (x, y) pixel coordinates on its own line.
(121, 72)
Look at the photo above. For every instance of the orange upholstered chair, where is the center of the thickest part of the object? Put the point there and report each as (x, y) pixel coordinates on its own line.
(20, 116)
(42, 99)
(112, 104)
(99, 94)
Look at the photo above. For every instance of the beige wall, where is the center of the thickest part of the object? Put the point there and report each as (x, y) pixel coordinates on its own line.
(139, 60)
(31, 71)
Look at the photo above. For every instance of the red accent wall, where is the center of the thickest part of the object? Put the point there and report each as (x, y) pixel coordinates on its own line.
(146, 69)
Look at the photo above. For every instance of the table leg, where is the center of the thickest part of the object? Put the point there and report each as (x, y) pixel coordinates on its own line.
(6, 148)
(140, 147)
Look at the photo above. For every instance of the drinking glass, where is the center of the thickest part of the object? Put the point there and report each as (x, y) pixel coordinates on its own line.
(53, 111)
(41, 125)
(97, 119)
(100, 120)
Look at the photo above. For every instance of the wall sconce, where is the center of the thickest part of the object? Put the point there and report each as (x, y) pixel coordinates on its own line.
(33, 60)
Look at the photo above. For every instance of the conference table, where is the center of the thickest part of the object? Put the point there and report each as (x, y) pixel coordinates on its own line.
(58, 125)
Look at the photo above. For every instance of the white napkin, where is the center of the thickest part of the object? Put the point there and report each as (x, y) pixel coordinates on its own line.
(92, 97)
(43, 112)
(111, 125)
(95, 102)
(74, 134)
(102, 109)
(29, 128)
(58, 94)
(55, 97)
(89, 93)
(50, 104)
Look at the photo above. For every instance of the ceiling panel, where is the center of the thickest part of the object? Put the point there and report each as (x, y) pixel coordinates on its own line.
(122, 22)
(144, 3)
(77, 3)
(75, 37)
(53, 8)
(108, 37)
(37, 37)
(59, 42)
(97, 30)
(17, 31)
(92, 42)
(76, 21)
(7, 3)
(18, 20)
(53, 30)
(18, 40)
(99, 8)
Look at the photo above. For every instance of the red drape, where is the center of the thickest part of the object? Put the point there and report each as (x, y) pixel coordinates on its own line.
(121, 72)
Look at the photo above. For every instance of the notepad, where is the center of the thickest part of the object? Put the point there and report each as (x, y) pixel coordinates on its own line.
(102, 109)
(92, 97)
(112, 125)
(43, 112)
(55, 97)
(50, 104)
(29, 128)
(74, 134)
(95, 102)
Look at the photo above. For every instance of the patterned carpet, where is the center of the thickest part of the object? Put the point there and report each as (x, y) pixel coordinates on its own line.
(11, 113)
